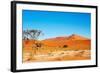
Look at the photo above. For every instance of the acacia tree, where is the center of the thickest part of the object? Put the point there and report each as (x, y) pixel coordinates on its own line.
(33, 35)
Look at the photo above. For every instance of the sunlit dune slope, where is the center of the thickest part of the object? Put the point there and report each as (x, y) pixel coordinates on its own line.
(73, 41)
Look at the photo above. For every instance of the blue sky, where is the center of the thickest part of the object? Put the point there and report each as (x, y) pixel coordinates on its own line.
(54, 24)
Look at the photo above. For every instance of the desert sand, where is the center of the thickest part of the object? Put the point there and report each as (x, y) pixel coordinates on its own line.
(74, 47)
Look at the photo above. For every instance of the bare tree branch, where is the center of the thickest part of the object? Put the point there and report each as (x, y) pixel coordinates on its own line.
(31, 34)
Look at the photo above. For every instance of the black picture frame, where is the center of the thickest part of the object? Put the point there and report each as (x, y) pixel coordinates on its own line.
(13, 35)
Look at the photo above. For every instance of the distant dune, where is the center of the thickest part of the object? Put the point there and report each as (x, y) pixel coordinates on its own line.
(71, 37)
(73, 41)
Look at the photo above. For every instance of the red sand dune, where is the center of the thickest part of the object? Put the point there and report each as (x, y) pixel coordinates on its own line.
(73, 41)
